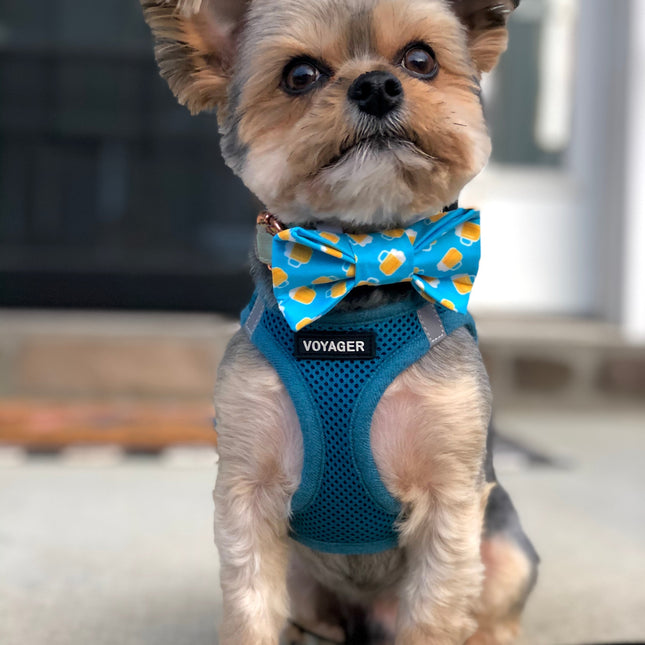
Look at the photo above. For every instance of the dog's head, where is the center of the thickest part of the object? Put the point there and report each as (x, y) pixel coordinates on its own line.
(356, 112)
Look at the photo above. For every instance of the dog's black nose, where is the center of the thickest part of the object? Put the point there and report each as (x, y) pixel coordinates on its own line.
(376, 93)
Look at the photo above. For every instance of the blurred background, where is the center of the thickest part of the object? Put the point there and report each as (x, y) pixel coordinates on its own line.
(123, 268)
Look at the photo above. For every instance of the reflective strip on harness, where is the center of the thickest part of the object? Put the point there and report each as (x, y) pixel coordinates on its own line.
(432, 325)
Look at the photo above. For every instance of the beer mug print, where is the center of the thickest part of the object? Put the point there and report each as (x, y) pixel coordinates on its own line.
(325, 279)
(330, 237)
(362, 239)
(430, 281)
(368, 282)
(303, 323)
(448, 304)
(463, 284)
(391, 261)
(393, 234)
(303, 295)
(468, 233)
(338, 290)
(298, 254)
(451, 261)
(280, 277)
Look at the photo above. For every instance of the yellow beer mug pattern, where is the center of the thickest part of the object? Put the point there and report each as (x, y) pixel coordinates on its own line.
(391, 261)
(338, 290)
(303, 295)
(450, 261)
(280, 276)
(429, 280)
(412, 235)
(324, 279)
(301, 324)
(298, 255)
(463, 284)
(330, 237)
(448, 304)
(468, 233)
(362, 239)
(314, 269)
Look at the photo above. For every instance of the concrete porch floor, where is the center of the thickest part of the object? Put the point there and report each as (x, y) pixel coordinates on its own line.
(122, 553)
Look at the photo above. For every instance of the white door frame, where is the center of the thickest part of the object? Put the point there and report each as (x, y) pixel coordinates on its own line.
(565, 240)
(633, 305)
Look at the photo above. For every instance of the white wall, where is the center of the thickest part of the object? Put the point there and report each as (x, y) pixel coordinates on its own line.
(570, 241)
(535, 244)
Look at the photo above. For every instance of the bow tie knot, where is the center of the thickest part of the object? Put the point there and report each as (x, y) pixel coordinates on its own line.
(314, 269)
(393, 263)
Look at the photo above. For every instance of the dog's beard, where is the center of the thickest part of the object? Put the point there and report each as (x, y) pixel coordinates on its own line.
(372, 183)
(371, 136)
(379, 175)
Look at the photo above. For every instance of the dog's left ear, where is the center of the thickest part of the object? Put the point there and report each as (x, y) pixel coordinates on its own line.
(486, 22)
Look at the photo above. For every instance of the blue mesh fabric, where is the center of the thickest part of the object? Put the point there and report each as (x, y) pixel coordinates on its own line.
(348, 512)
(342, 506)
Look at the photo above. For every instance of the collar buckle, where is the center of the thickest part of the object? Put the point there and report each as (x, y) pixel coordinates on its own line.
(271, 224)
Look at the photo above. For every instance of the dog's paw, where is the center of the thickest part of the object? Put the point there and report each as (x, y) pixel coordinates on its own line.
(324, 635)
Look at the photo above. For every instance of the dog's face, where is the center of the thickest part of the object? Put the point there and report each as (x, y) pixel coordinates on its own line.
(354, 112)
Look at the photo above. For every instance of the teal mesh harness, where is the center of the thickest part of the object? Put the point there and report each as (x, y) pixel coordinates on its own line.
(336, 373)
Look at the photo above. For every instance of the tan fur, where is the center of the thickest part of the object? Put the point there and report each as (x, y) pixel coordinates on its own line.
(443, 125)
(312, 606)
(314, 158)
(443, 120)
(487, 47)
(500, 632)
(432, 462)
(487, 33)
(260, 449)
(508, 575)
(428, 438)
(194, 47)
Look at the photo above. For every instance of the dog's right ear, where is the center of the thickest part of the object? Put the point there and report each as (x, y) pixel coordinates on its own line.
(486, 23)
(195, 43)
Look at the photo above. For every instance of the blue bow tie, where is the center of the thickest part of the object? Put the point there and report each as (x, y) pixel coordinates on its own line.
(313, 270)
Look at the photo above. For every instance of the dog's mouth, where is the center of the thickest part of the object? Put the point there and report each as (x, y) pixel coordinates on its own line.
(374, 144)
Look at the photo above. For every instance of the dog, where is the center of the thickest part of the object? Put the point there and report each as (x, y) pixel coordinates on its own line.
(347, 506)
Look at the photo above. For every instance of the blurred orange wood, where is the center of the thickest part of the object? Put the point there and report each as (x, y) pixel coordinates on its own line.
(55, 424)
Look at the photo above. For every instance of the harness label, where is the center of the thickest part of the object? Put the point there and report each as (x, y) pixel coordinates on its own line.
(335, 345)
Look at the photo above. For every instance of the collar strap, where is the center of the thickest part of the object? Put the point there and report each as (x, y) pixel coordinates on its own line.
(267, 226)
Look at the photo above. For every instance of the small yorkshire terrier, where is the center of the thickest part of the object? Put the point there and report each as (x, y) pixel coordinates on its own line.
(356, 499)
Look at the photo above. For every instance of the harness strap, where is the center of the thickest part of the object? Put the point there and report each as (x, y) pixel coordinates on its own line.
(428, 318)
(254, 317)
(431, 323)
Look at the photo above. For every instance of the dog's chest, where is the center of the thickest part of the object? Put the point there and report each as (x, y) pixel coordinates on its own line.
(335, 374)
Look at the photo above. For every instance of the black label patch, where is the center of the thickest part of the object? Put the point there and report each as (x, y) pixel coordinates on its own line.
(335, 345)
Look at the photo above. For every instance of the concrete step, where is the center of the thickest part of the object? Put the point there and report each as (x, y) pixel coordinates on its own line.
(149, 356)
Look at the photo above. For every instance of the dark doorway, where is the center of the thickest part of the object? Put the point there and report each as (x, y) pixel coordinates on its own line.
(111, 195)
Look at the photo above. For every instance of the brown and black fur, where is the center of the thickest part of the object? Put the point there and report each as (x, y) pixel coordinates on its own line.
(464, 567)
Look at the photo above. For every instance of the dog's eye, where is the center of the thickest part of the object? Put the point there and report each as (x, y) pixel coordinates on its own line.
(300, 76)
(420, 61)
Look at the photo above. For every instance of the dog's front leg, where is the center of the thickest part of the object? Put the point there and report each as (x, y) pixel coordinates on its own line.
(252, 544)
(260, 449)
(429, 440)
(439, 597)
